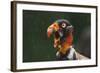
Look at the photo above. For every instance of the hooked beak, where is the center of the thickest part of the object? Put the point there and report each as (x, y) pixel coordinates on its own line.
(52, 28)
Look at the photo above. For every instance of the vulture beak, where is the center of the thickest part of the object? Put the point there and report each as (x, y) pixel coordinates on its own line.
(52, 28)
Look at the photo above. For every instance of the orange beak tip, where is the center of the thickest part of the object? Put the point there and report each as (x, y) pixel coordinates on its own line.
(49, 32)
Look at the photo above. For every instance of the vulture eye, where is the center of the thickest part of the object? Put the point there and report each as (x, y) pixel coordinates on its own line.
(63, 25)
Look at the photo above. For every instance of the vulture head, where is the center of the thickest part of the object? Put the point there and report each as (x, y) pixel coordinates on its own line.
(63, 37)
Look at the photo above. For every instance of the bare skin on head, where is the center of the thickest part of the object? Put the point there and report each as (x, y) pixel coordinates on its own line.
(61, 47)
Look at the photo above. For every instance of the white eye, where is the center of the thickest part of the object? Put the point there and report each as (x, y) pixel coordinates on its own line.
(63, 25)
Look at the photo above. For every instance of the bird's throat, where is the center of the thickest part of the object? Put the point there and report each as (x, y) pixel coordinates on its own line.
(65, 46)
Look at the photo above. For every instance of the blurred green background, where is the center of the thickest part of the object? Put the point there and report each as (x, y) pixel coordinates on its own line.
(36, 45)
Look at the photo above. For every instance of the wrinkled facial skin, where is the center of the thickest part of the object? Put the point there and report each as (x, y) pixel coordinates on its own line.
(60, 44)
(57, 42)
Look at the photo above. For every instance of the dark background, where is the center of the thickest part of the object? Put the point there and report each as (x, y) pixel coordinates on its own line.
(36, 45)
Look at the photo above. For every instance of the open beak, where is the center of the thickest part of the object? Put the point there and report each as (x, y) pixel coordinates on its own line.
(52, 28)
